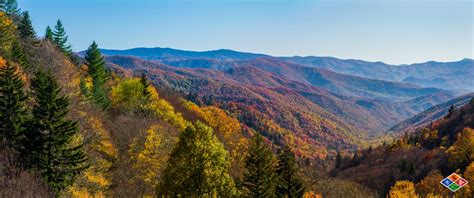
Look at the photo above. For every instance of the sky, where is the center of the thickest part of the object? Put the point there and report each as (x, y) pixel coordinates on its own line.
(392, 31)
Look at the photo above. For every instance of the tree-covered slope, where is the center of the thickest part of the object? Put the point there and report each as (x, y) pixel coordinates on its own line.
(422, 157)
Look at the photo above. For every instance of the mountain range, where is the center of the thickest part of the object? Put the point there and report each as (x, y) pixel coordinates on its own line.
(458, 75)
(289, 100)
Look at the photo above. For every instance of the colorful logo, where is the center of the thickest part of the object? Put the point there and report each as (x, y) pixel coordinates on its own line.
(454, 182)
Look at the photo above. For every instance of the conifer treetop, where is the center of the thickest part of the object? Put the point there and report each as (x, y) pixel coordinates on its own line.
(48, 33)
(60, 37)
(25, 27)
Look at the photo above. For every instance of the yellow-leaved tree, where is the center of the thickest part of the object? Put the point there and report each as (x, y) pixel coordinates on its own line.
(150, 155)
(461, 153)
(7, 35)
(469, 176)
(132, 95)
(403, 189)
(96, 180)
(227, 129)
(430, 186)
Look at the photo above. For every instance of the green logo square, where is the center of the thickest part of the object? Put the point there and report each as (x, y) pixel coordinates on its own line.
(454, 187)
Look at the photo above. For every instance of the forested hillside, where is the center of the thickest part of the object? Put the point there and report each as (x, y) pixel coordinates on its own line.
(415, 164)
(426, 117)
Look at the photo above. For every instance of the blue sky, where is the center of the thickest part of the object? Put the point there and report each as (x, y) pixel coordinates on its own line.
(393, 31)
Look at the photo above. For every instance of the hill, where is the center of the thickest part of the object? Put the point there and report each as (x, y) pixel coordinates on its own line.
(444, 147)
(340, 83)
(434, 113)
(444, 75)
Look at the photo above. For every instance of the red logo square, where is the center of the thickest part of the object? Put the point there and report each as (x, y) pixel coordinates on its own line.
(461, 182)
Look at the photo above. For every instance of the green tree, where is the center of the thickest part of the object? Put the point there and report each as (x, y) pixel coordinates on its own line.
(198, 165)
(338, 160)
(259, 175)
(25, 27)
(98, 73)
(289, 183)
(18, 56)
(9, 6)
(450, 111)
(144, 82)
(54, 146)
(13, 111)
(60, 37)
(84, 89)
(48, 34)
(99, 95)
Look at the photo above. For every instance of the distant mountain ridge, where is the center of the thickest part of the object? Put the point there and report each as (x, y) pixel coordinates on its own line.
(457, 75)
(426, 117)
(175, 54)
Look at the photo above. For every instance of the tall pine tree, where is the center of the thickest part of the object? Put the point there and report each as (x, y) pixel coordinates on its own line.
(13, 111)
(18, 56)
(450, 111)
(25, 27)
(48, 34)
(259, 175)
(96, 69)
(54, 147)
(289, 183)
(146, 85)
(60, 37)
(198, 166)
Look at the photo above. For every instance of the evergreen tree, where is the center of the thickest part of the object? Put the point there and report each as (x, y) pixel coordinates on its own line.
(338, 160)
(289, 183)
(84, 89)
(259, 175)
(99, 95)
(60, 38)
(13, 111)
(198, 166)
(146, 85)
(48, 34)
(9, 6)
(370, 149)
(18, 55)
(54, 147)
(98, 73)
(25, 27)
(96, 63)
(450, 111)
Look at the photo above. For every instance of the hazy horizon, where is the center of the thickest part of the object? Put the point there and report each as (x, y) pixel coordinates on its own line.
(280, 56)
(393, 32)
